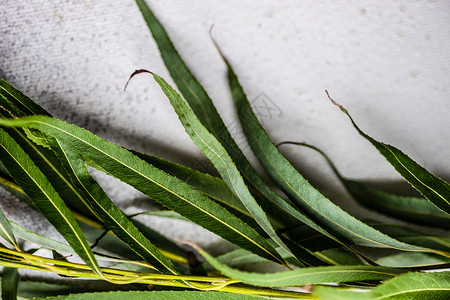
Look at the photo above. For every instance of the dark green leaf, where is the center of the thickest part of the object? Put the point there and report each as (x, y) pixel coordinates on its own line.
(431, 187)
(163, 295)
(211, 186)
(17, 104)
(113, 218)
(44, 197)
(409, 208)
(10, 283)
(214, 151)
(6, 231)
(408, 286)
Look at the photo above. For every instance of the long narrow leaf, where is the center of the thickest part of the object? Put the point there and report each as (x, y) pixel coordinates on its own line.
(313, 275)
(157, 295)
(15, 103)
(408, 208)
(10, 283)
(44, 197)
(321, 209)
(211, 186)
(6, 231)
(436, 190)
(113, 218)
(434, 286)
(169, 191)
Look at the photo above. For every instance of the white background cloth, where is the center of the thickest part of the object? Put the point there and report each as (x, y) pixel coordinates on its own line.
(386, 61)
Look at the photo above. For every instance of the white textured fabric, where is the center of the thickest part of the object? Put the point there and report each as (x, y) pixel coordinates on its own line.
(386, 61)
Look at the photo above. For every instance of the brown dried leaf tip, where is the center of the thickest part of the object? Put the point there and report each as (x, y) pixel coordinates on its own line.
(337, 104)
(135, 73)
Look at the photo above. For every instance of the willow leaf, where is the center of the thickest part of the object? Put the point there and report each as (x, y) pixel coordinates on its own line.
(33, 289)
(411, 209)
(316, 242)
(412, 259)
(15, 103)
(241, 257)
(18, 101)
(162, 214)
(169, 191)
(10, 283)
(408, 208)
(434, 286)
(157, 295)
(310, 200)
(280, 211)
(211, 186)
(44, 197)
(313, 275)
(436, 190)
(6, 231)
(112, 217)
(219, 157)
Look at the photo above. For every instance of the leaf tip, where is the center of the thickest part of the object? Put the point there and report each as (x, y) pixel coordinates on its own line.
(335, 103)
(134, 74)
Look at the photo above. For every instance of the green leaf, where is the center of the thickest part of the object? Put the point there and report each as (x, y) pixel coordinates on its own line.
(280, 211)
(436, 190)
(408, 208)
(213, 187)
(410, 259)
(112, 217)
(316, 242)
(162, 214)
(310, 200)
(415, 285)
(157, 295)
(313, 275)
(169, 191)
(10, 283)
(17, 104)
(214, 151)
(44, 196)
(34, 289)
(408, 286)
(6, 232)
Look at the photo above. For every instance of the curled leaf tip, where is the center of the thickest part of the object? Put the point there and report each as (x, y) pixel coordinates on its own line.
(335, 103)
(135, 73)
(217, 45)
